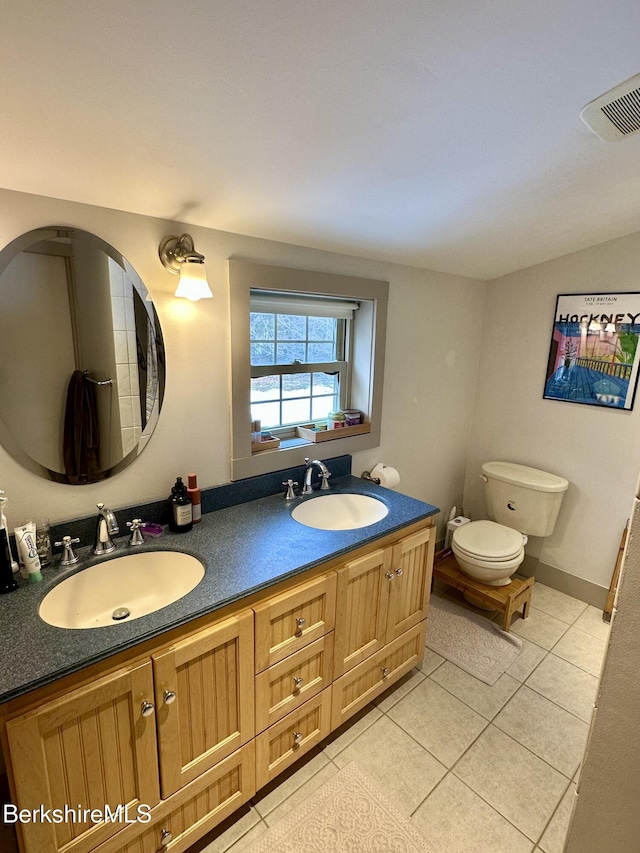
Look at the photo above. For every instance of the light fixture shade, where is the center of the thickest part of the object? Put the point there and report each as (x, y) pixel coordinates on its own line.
(193, 284)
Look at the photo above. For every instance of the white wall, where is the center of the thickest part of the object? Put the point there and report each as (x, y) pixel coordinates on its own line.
(433, 339)
(595, 448)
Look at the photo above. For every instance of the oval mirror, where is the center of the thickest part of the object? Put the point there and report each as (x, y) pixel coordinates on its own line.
(82, 367)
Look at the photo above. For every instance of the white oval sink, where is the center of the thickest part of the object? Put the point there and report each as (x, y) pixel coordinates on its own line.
(138, 583)
(340, 512)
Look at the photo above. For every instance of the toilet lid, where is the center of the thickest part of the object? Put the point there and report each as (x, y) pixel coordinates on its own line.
(488, 539)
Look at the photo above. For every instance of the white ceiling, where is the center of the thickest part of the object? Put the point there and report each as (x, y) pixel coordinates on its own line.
(439, 133)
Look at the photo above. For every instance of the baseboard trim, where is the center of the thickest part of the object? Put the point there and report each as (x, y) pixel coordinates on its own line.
(584, 590)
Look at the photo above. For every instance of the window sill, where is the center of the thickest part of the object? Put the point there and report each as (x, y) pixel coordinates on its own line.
(292, 451)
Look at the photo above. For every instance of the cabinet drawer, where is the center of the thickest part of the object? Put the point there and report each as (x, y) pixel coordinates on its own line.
(292, 620)
(360, 685)
(193, 811)
(286, 685)
(285, 741)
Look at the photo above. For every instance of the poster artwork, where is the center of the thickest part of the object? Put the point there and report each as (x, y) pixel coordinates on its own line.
(593, 357)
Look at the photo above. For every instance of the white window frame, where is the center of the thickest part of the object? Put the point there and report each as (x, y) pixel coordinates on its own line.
(310, 306)
(366, 356)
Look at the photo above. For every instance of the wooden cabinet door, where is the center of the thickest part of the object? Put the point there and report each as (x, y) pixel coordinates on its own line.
(411, 564)
(204, 696)
(362, 596)
(92, 748)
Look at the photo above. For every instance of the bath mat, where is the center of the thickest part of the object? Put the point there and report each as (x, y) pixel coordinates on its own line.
(348, 814)
(470, 641)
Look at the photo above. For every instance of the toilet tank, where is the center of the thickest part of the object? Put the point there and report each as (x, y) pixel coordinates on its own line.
(523, 498)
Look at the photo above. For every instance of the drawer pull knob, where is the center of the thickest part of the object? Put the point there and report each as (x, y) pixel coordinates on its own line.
(399, 572)
(300, 623)
(165, 837)
(385, 671)
(147, 708)
(169, 697)
(298, 681)
(389, 576)
(297, 738)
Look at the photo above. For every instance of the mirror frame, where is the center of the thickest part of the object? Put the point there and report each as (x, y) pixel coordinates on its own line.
(7, 254)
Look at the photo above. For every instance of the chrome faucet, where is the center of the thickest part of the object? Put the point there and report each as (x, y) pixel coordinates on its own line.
(106, 527)
(308, 471)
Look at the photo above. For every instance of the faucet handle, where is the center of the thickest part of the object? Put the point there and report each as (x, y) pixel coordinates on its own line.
(134, 526)
(69, 556)
(290, 495)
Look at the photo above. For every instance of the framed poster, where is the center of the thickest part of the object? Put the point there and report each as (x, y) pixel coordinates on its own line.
(593, 356)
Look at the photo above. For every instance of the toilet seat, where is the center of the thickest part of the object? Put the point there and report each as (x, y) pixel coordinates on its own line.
(488, 542)
(488, 551)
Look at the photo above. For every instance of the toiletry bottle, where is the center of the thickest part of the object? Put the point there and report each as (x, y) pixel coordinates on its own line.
(196, 498)
(3, 526)
(7, 581)
(181, 518)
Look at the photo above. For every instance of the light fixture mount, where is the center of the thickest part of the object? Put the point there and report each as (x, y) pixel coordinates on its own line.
(176, 251)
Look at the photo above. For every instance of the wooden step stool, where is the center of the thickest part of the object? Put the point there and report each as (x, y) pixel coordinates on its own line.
(507, 599)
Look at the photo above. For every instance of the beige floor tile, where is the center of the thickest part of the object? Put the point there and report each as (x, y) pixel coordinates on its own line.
(484, 698)
(430, 662)
(276, 792)
(233, 829)
(441, 723)
(395, 693)
(248, 839)
(400, 767)
(552, 733)
(582, 649)
(556, 603)
(566, 685)
(350, 730)
(521, 786)
(540, 628)
(454, 819)
(301, 794)
(528, 659)
(555, 834)
(591, 622)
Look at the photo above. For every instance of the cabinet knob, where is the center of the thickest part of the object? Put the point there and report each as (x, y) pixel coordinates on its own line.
(385, 671)
(298, 681)
(300, 623)
(165, 837)
(147, 708)
(389, 576)
(297, 738)
(399, 572)
(169, 697)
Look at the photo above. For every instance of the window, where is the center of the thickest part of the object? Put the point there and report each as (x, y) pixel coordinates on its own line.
(302, 343)
(299, 358)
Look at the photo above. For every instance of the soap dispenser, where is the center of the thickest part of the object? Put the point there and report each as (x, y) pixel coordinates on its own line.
(181, 516)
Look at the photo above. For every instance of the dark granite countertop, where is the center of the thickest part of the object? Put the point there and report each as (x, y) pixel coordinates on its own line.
(245, 549)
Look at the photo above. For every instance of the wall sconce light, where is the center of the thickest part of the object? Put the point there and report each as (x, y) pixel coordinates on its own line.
(179, 257)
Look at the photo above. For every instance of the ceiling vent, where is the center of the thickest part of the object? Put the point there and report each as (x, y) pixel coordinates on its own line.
(615, 114)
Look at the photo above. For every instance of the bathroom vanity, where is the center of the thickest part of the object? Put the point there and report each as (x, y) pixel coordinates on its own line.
(183, 714)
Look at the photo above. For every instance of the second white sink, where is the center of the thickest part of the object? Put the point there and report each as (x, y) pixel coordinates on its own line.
(121, 589)
(340, 512)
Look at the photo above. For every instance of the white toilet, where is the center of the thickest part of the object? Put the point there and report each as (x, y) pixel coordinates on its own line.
(522, 502)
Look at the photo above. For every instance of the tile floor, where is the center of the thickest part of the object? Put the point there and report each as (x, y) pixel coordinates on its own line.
(478, 769)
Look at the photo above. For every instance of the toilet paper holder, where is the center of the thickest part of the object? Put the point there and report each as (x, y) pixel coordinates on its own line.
(366, 475)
